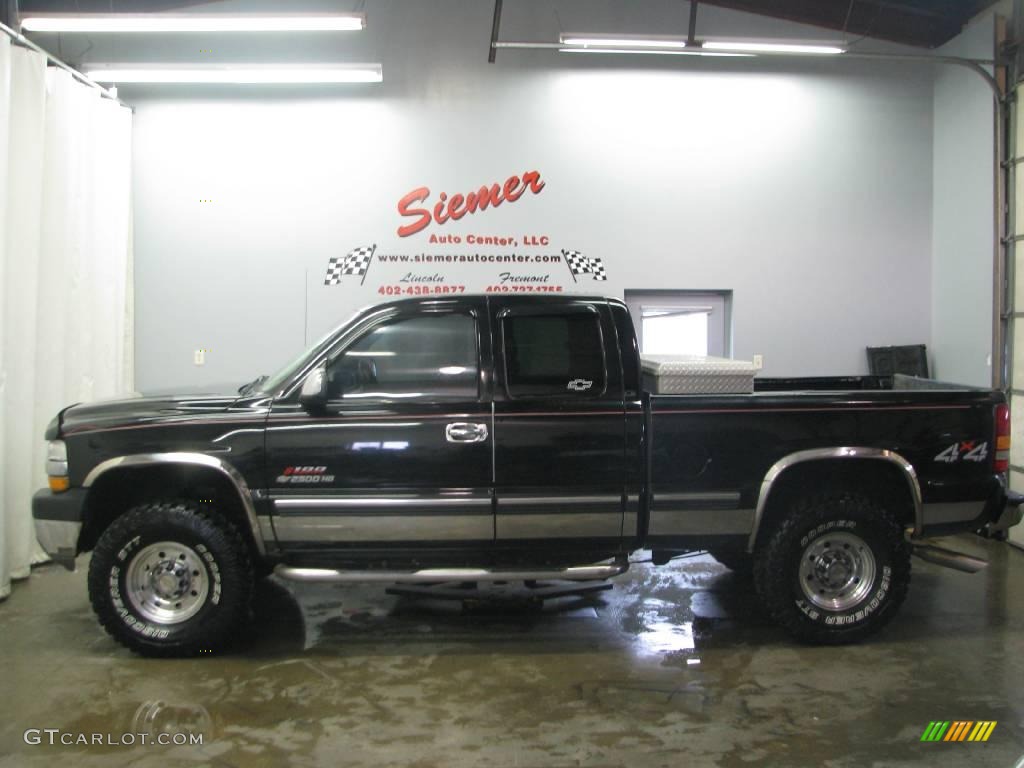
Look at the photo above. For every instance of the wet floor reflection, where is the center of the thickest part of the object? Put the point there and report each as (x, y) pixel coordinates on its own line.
(345, 619)
(659, 629)
(673, 662)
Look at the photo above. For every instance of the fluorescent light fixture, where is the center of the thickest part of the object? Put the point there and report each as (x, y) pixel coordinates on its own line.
(646, 44)
(592, 41)
(237, 74)
(194, 22)
(752, 46)
(655, 52)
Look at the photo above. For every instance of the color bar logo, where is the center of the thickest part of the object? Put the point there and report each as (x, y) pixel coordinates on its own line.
(958, 730)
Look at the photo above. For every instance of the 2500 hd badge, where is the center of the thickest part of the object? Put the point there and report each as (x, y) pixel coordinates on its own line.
(305, 475)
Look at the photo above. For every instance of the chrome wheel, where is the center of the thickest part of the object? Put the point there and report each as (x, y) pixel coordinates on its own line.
(837, 571)
(167, 582)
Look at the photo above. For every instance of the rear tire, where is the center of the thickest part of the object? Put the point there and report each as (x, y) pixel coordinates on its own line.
(835, 570)
(168, 580)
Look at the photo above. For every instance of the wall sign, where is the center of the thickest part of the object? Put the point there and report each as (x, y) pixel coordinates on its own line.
(471, 262)
(455, 207)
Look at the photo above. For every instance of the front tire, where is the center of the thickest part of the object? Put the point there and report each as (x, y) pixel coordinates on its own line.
(168, 580)
(835, 570)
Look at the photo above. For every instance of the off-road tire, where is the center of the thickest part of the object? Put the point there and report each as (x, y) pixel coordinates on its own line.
(223, 561)
(806, 528)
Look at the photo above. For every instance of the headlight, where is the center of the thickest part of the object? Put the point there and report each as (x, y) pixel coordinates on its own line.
(57, 465)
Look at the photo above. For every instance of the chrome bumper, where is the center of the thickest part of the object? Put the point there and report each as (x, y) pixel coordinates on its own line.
(59, 538)
(58, 518)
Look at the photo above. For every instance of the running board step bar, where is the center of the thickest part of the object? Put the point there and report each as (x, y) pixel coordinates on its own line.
(443, 575)
(949, 559)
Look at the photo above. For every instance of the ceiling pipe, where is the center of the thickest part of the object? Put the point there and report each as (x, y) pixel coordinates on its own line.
(975, 65)
(495, 28)
(691, 36)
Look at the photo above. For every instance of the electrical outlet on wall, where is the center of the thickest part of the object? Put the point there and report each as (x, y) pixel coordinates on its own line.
(200, 357)
(758, 362)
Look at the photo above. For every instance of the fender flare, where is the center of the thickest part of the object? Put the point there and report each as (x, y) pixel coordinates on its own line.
(841, 453)
(190, 459)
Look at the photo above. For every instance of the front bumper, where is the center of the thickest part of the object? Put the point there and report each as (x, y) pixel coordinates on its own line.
(58, 518)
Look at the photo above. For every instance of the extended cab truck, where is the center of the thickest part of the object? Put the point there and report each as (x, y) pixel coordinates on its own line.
(499, 438)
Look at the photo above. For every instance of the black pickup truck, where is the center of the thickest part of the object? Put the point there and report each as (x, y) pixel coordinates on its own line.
(508, 438)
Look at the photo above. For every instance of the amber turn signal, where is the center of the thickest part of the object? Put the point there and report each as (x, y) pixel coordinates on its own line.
(1001, 460)
(59, 484)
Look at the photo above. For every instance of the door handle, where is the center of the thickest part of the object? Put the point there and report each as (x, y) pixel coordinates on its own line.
(464, 432)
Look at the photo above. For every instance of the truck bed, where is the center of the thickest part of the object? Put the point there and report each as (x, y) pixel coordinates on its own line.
(708, 455)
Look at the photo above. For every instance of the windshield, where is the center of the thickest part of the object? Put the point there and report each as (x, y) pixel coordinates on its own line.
(274, 383)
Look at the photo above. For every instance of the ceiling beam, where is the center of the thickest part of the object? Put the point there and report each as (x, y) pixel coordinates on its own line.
(897, 22)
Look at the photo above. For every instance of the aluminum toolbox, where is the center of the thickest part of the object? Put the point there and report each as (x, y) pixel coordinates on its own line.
(694, 375)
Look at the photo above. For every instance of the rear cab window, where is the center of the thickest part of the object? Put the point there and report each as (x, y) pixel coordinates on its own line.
(554, 354)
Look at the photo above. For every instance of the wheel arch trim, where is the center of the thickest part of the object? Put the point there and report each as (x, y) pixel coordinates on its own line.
(188, 459)
(832, 454)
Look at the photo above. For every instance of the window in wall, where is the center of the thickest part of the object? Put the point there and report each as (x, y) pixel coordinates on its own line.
(547, 355)
(428, 355)
(682, 322)
(675, 332)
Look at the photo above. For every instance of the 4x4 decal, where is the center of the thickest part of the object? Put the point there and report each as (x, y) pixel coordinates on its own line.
(966, 450)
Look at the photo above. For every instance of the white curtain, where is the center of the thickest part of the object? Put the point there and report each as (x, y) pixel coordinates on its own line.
(65, 272)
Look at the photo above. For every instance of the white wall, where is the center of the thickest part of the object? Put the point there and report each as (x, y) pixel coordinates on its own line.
(962, 220)
(806, 188)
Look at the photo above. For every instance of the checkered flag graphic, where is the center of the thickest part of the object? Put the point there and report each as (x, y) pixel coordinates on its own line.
(355, 262)
(584, 265)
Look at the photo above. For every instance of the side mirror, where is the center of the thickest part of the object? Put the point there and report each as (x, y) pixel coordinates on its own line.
(313, 396)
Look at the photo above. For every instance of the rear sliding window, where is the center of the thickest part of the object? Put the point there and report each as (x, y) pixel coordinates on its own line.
(547, 355)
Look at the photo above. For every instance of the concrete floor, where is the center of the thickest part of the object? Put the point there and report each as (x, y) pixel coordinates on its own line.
(674, 666)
